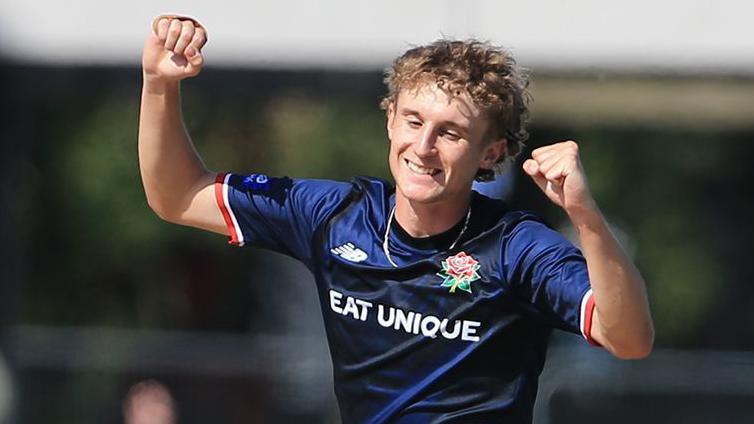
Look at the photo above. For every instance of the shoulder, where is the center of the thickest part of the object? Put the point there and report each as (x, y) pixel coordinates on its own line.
(320, 198)
(527, 240)
(326, 199)
(498, 217)
(362, 215)
(518, 229)
(369, 187)
(370, 193)
(285, 190)
(530, 229)
(317, 187)
(373, 187)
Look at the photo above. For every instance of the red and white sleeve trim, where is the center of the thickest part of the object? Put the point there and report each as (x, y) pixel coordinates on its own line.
(587, 311)
(221, 196)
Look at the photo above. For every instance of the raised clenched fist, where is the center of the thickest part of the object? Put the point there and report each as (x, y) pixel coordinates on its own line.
(558, 172)
(172, 51)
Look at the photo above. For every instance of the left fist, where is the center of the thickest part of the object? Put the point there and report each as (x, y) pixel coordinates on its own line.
(557, 171)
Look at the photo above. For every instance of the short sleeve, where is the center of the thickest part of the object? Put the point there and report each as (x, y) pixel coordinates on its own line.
(279, 214)
(550, 276)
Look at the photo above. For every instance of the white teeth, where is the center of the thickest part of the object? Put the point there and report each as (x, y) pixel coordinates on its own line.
(420, 169)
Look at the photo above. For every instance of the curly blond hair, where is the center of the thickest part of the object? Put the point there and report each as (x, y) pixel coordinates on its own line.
(487, 73)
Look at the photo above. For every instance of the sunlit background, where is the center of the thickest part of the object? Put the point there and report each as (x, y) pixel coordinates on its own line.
(97, 294)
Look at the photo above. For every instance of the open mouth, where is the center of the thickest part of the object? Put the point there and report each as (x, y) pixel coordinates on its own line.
(418, 169)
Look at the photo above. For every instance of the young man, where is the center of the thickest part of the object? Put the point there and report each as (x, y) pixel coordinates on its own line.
(438, 302)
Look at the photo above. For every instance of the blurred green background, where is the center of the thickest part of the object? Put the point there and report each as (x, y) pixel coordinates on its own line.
(97, 255)
(667, 158)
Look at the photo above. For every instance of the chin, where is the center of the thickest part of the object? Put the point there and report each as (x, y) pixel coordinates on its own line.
(420, 194)
(418, 189)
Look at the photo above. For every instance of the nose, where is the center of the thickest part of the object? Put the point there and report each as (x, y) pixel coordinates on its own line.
(426, 144)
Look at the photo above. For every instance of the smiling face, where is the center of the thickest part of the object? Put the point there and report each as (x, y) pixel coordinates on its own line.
(437, 144)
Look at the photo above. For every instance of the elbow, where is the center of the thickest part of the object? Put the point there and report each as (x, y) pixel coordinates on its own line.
(161, 210)
(639, 348)
(635, 352)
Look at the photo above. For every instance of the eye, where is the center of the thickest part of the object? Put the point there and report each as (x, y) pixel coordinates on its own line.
(450, 135)
(413, 123)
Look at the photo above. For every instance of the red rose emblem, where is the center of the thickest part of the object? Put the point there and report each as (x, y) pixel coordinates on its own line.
(461, 265)
(458, 272)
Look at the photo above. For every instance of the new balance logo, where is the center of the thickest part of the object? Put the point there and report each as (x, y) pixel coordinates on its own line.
(349, 252)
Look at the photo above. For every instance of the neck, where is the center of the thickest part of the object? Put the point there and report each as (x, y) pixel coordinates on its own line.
(428, 219)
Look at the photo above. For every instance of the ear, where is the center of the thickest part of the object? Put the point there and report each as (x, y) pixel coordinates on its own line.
(493, 152)
(390, 119)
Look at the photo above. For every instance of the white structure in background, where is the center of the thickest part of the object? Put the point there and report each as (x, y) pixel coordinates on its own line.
(640, 35)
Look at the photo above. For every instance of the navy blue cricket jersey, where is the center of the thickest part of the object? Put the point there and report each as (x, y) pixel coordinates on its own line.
(447, 336)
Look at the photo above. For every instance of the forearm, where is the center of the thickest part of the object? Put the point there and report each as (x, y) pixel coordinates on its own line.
(171, 170)
(622, 321)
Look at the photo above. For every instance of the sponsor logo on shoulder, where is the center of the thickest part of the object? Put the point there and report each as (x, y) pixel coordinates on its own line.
(349, 252)
(256, 181)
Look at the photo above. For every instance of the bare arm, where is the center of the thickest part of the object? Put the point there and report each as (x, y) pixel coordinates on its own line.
(178, 186)
(622, 322)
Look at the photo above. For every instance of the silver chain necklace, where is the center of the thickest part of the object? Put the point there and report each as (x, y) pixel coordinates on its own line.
(386, 249)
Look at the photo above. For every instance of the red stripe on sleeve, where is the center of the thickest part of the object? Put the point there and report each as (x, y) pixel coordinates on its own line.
(219, 185)
(588, 312)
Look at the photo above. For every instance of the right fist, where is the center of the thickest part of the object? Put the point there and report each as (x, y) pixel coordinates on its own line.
(172, 50)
